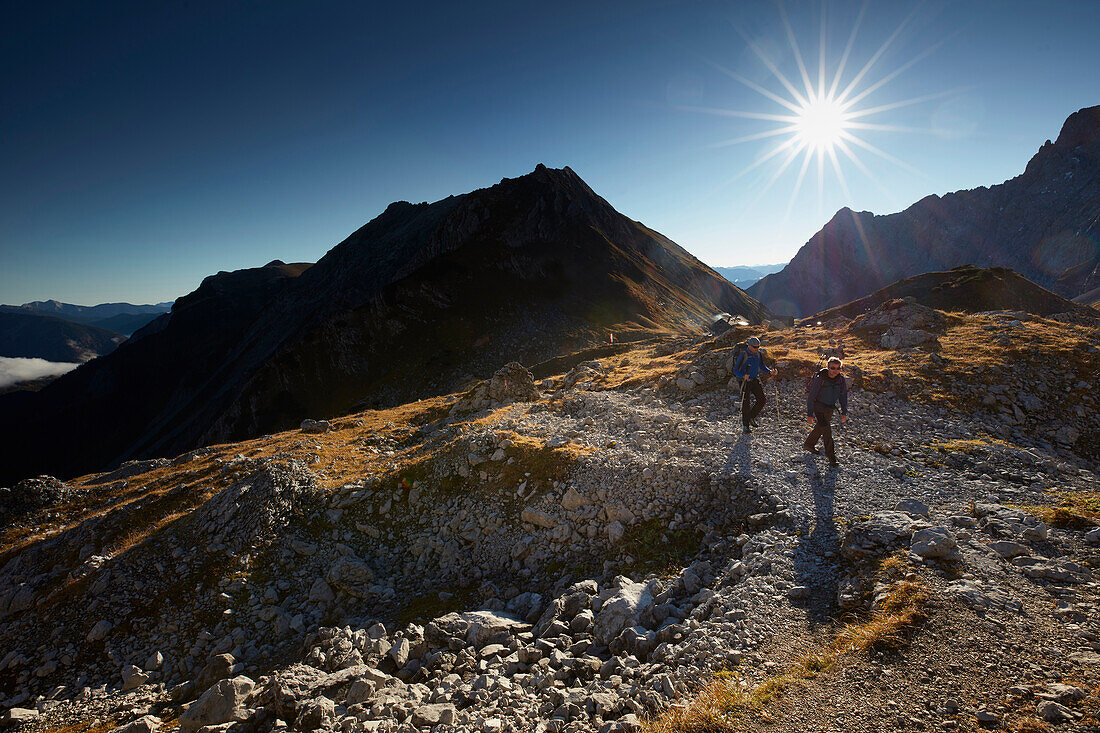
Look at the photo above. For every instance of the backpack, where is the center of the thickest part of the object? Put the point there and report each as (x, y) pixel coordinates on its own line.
(822, 366)
(739, 350)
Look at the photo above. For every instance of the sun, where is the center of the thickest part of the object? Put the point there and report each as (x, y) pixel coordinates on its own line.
(820, 124)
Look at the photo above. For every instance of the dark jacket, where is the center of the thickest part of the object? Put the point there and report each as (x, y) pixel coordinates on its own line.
(822, 383)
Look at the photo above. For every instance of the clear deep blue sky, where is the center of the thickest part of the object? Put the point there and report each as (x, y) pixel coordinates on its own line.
(145, 145)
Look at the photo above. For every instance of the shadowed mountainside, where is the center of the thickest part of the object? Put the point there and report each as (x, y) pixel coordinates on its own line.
(1044, 224)
(422, 300)
(966, 289)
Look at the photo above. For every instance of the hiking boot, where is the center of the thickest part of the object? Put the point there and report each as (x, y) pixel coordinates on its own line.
(753, 423)
(833, 462)
(815, 451)
(747, 430)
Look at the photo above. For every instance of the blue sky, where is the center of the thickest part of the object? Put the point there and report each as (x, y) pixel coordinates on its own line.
(144, 146)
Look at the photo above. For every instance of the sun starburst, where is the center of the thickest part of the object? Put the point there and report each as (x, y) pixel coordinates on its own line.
(822, 122)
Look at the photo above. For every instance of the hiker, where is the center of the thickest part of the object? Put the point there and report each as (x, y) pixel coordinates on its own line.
(827, 388)
(747, 368)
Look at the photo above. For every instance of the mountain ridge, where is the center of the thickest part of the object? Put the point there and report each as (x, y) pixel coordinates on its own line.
(418, 301)
(1043, 223)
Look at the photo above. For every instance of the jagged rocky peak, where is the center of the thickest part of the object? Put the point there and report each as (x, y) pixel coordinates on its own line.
(1081, 128)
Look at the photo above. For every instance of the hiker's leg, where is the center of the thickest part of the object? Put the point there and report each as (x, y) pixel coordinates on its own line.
(815, 434)
(825, 419)
(757, 393)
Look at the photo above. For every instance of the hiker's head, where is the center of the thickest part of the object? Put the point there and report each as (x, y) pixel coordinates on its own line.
(834, 365)
(753, 343)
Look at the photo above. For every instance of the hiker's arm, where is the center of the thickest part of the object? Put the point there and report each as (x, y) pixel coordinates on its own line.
(843, 397)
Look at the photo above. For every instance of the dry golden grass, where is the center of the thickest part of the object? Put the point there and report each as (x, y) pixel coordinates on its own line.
(85, 726)
(720, 704)
(1073, 509)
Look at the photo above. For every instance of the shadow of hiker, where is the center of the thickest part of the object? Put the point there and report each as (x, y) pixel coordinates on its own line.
(817, 556)
(739, 461)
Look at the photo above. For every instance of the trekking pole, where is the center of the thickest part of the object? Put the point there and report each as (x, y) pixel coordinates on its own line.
(742, 384)
(777, 418)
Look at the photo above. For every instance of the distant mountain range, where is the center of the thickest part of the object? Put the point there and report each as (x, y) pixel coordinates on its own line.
(122, 318)
(423, 300)
(1043, 224)
(744, 276)
(62, 332)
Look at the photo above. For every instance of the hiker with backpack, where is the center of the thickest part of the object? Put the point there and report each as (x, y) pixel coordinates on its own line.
(747, 367)
(826, 389)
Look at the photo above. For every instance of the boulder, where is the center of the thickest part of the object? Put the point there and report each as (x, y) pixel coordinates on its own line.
(1067, 435)
(564, 608)
(475, 627)
(320, 592)
(429, 716)
(1058, 570)
(99, 631)
(17, 716)
(573, 500)
(351, 575)
(222, 703)
(934, 543)
(133, 677)
(877, 535)
(218, 667)
(537, 518)
(144, 724)
(980, 597)
(319, 712)
(513, 383)
(315, 426)
(1052, 712)
(1009, 550)
(903, 338)
(912, 507)
(622, 610)
(289, 689)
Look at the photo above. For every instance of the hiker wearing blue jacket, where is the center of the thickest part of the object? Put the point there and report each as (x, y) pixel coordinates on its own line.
(747, 368)
(827, 388)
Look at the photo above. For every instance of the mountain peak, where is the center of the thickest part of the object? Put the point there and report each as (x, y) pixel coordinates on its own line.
(1080, 128)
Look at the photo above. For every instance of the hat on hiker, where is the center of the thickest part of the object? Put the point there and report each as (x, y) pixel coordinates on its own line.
(752, 341)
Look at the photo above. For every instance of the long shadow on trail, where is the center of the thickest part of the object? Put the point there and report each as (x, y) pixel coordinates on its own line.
(817, 556)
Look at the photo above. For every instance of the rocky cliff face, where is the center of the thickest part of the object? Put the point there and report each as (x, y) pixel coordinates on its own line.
(1044, 224)
(422, 300)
